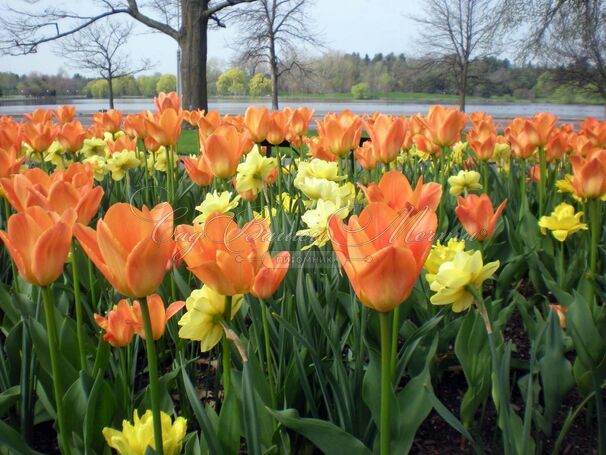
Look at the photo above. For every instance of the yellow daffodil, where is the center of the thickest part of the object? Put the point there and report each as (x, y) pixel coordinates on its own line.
(254, 172)
(449, 284)
(562, 222)
(463, 182)
(215, 202)
(158, 160)
(202, 320)
(317, 222)
(287, 202)
(266, 216)
(458, 151)
(135, 438)
(99, 165)
(121, 162)
(440, 254)
(93, 147)
(56, 155)
(317, 169)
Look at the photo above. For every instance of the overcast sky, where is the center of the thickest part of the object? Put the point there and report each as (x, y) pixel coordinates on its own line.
(364, 26)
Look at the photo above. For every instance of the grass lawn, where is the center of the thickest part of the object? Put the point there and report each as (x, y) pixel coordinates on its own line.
(188, 142)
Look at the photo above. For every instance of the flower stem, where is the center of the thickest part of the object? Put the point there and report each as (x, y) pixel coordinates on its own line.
(484, 168)
(595, 213)
(561, 265)
(78, 304)
(270, 374)
(152, 366)
(53, 347)
(386, 386)
(543, 176)
(394, 338)
(599, 404)
(226, 350)
(7, 214)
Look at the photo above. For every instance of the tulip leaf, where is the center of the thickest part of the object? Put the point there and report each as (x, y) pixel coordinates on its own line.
(251, 417)
(208, 429)
(230, 424)
(8, 398)
(325, 435)
(99, 413)
(12, 440)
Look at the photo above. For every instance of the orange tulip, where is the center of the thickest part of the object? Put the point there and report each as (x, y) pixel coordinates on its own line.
(482, 139)
(387, 136)
(198, 170)
(581, 145)
(342, 132)
(278, 127)
(445, 125)
(39, 116)
(65, 114)
(10, 162)
(168, 101)
(318, 147)
(208, 124)
(158, 314)
(40, 135)
(394, 190)
(557, 146)
(248, 195)
(560, 310)
(256, 120)
(59, 192)
(544, 123)
(121, 144)
(131, 247)
(39, 242)
(10, 134)
(534, 173)
(232, 260)
(595, 131)
(108, 121)
(523, 138)
(193, 117)
(298, 121)
(383, 252)
(425, 143)
(135, 125)
(477, 215)
(165, 128)
(118, 324)
(366, 156)
(589, 174)
(223, 150)
(480, 117)
(71, 136)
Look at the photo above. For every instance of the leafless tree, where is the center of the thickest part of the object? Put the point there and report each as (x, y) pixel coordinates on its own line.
(99, 49)
(25, 25)
(271, 30)
(456, 32)
(567, 34)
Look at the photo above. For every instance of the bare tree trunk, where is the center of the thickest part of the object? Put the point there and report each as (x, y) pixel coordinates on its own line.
(110, 93)
(274, 73)
(194, 55)
(463, 87)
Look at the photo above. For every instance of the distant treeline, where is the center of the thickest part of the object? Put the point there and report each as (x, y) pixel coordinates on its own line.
(333, 73)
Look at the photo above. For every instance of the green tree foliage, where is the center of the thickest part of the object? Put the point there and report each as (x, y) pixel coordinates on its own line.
(96, 89)
(125, 86)
(360, 91)
(259, 85)
(232, 82)
(167, 83)
(146, 85)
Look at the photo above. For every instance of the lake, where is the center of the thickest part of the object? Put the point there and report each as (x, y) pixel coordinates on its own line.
(502, 111)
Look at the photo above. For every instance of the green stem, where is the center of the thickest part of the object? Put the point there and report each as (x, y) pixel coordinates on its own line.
(595, 209)
(561, 265)
(522, 181)
(484, 168)
(78, 304)
(386, 385)
(91, 283)
(441, 172)
(7, 214)
(53, 347)
(542, 182)
(152, 365)
(599, 404)
(226, 350)
(26, 381)
(270, 373)
(394, 338)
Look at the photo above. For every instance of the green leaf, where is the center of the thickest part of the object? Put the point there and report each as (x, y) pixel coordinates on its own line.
(326, 436)
(203, 419)
(251, 418)
(8, 398)
(13, 441)
(99, 414)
